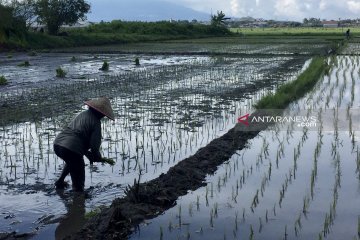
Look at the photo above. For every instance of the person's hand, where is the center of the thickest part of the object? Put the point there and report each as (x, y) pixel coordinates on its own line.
(90, 156)
(108, 161)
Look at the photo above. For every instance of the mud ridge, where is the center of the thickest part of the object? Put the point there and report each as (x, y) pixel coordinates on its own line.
(150, 199)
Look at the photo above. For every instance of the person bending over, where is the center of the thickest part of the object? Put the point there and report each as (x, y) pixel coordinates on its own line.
(82, 136)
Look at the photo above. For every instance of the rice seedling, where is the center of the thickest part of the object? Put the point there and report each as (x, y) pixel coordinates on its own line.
(179, 215)
(137, 62)
(32, 53)
(105, 66)
(170, 226)
(255, 200)
(60, 73)
(198, 203)
(212, 190)
(161, 233)
(188, 235)
(358, 160)
(285, 233)
(306, 204)
(215, 210)
(73, 59)
(3, 81)
(358, 226)
(109, 161)
(236, 221)
(24, 64)
(251, 237)
(190, 210)
(260, 225)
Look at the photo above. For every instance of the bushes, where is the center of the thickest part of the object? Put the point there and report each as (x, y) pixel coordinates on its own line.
(12, 28)
(162, 28)
(156, 28)
(116, 32)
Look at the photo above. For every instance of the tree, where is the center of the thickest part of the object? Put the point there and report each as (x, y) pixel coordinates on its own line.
(218, 19)
(24, 10)
(54, 13)
(10, 25)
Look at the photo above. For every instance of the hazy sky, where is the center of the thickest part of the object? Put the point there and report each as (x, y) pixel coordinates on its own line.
(278, 9)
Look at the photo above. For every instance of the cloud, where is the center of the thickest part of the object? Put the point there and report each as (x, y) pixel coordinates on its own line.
(271, 9)
(287, 8)
(354, 6)
(322, 5)
(234, 7)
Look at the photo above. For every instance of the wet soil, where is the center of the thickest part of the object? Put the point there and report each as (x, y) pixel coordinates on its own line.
(150, 199)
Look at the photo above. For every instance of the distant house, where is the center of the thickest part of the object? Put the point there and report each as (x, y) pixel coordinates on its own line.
(330, 24)
(80, 24)
(260, 24)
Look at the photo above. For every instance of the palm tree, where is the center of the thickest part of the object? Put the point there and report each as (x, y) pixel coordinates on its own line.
(218, 19)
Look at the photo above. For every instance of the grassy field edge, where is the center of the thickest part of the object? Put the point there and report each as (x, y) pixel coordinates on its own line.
(296, 89)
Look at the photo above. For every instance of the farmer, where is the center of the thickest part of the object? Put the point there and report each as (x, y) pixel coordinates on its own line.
(347, 34)
(80, 136)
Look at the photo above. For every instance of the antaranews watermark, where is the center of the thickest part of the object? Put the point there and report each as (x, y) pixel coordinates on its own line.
(312, 119)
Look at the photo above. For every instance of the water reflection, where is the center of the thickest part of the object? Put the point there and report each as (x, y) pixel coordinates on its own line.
(75, 217)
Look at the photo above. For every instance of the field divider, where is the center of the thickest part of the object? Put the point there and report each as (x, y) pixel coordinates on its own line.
(150, 199)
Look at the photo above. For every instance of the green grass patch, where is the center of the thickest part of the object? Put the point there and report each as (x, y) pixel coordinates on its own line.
(115, 32)
(297, 31)
(296, 89)
(3, 81)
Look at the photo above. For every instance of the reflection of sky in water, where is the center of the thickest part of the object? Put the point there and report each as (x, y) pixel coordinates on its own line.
(32, 148)
(43, 66)
(151, 133)
(248, 171)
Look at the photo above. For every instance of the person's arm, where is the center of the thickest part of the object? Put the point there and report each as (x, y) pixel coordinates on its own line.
(95, 142)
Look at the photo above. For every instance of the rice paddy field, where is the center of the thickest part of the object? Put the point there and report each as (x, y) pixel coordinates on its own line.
(288, 183)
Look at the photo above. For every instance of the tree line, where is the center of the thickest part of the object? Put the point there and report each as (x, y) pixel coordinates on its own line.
(17, 16)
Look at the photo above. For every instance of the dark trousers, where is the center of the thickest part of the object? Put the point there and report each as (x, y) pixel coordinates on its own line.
(74, 164)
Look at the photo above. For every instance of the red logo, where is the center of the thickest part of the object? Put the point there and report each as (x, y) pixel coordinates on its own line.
(244, 119)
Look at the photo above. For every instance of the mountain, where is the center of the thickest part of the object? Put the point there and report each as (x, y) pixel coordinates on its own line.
(141, 10)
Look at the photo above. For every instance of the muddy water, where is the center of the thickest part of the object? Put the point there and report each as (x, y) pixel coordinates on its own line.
(155, 128)
(42, 69)
(288, 183)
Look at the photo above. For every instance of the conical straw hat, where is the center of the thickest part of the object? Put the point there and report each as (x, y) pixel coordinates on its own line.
(103, 106)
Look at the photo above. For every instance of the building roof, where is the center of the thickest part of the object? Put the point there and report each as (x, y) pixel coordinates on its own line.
(329, 22)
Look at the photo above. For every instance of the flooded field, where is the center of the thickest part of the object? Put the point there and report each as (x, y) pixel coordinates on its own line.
(167, 109)
(288, 183)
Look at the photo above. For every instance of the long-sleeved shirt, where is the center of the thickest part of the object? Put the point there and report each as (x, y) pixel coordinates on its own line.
(83, 133)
